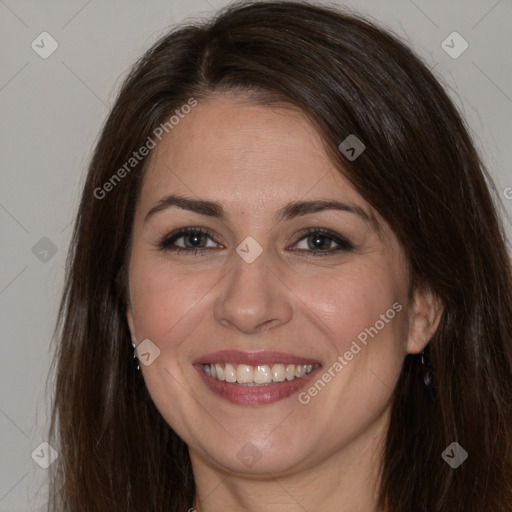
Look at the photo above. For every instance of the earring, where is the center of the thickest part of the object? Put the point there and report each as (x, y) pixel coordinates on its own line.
(135, 355)
(427, 377)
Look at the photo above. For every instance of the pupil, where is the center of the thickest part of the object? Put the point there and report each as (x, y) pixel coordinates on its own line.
(195, 238)
(319, 242)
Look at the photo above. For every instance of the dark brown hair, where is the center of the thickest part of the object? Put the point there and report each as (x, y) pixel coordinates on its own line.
(420, 171)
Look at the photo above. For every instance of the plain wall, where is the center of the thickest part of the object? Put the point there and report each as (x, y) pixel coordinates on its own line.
(53, 109)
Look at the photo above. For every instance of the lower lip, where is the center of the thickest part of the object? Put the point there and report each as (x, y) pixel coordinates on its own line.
(255, 395)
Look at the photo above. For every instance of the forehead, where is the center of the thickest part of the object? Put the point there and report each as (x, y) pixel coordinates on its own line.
(237, 152)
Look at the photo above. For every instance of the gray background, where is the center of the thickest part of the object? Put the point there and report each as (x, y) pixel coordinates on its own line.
(52, 111)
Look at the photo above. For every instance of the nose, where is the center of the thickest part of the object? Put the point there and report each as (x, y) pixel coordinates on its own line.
(253, 298)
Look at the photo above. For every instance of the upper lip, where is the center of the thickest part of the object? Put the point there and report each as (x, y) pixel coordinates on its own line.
(252, 358)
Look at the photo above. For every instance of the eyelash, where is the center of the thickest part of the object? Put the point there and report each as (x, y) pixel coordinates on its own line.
(166, 242)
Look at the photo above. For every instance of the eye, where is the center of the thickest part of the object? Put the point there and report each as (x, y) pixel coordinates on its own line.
(188, 240)
(319, 242)
(196, 240)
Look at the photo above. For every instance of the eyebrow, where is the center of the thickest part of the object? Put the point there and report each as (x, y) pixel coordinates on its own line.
(289, 211)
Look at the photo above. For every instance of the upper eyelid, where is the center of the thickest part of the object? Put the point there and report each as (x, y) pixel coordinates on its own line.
(179, 233)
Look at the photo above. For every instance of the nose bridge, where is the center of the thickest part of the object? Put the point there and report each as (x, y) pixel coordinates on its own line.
(252, 297)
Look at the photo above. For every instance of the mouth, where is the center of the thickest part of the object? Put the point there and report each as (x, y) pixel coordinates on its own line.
(255, 378)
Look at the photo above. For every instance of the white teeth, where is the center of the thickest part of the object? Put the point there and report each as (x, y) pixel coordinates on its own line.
(262, 374)
(300, 370)
(290, 372)
(278, 372)
(229, 373)
(256, 375)
(244, 374)
(220, 372)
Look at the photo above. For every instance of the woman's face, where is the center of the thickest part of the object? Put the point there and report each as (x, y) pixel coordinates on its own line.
(250, 296)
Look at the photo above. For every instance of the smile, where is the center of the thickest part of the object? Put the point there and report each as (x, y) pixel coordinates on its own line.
(255, 378)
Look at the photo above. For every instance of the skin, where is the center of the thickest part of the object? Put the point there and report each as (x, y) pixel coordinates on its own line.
(323, 455)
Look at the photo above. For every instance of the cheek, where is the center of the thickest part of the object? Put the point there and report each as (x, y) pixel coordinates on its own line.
(349, 302)
(168, 308)
(361, 311)
(168, 303)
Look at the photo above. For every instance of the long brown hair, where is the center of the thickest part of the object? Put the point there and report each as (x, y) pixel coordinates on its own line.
(419, 170)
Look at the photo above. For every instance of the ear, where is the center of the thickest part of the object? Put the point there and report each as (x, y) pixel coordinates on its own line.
(424, 317)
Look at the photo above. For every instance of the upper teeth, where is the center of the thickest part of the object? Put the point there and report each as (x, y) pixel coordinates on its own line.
(259, 374)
